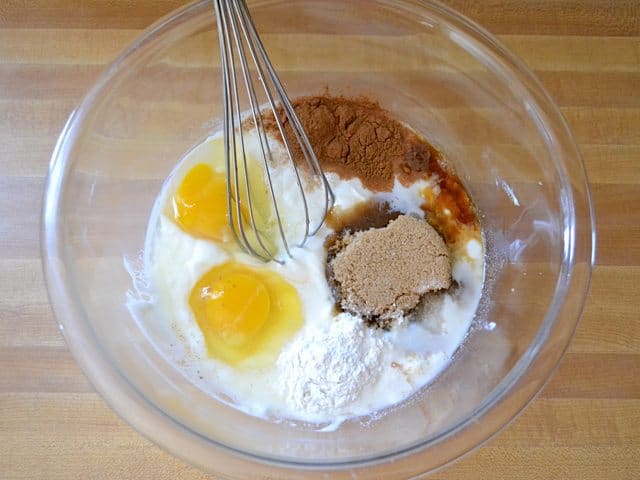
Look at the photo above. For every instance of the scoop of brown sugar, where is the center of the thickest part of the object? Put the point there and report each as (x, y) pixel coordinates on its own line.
(383, 272)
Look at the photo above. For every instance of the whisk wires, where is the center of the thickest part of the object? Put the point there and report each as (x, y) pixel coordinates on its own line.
(244, 60)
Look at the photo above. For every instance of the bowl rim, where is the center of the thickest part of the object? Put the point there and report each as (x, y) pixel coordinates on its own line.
(104, 376)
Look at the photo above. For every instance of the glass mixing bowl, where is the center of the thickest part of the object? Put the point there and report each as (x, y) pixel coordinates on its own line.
(434, 70)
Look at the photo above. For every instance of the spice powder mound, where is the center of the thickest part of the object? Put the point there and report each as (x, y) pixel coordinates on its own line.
(356, 138)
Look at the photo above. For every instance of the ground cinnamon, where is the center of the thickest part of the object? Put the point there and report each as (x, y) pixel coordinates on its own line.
(356, 138)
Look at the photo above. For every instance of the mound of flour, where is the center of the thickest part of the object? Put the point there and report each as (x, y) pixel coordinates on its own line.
(328, 369)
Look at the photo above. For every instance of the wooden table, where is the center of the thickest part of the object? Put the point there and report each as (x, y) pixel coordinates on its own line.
(586, 423)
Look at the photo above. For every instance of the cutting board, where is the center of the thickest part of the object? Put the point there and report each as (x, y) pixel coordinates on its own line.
(584, 425)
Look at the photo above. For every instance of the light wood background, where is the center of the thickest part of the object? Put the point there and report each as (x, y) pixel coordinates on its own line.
(586, 423)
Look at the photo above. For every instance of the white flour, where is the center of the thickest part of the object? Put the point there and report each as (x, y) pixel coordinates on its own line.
(325, 370)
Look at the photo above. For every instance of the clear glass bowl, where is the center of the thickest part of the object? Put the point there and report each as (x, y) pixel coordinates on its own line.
(430, 67)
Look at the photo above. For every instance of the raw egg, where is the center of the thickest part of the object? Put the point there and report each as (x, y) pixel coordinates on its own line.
(199, 204)
(245, 312)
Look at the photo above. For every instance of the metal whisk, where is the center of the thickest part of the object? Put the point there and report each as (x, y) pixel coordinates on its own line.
(240, 44)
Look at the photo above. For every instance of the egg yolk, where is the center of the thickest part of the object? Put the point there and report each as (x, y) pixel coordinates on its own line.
(245, 312)
(199, 204)
(238, 308)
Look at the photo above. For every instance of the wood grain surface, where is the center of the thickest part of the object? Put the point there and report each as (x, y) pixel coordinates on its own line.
(584, 425)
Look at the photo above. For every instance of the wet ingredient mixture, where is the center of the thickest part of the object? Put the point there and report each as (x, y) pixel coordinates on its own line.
(370, 311)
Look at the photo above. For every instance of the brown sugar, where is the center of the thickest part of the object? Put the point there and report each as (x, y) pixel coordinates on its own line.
(382, 273)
